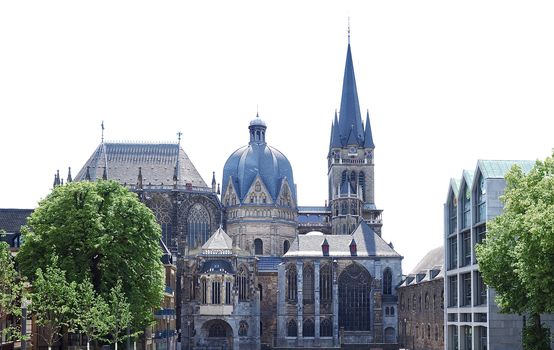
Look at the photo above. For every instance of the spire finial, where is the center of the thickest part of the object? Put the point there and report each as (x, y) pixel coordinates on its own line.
(257, 111)
(179, 134)
(102, 126)
(348, 30)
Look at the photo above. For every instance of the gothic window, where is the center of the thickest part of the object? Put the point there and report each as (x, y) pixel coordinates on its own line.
(286, 246)
(326, 328)
(242, 280)
(353, 208)
(228, 293)
(292, 329)
(308, 328)
(308, 284)
(258, 247)
(452, 213)
(428, 331)
(343, 208)
(161, 209)
(353, 181)
(291, 283)
(243, 329)
(216, 292)
(387, 282)
(354, 298)
(413, 301)
(217, 330)
(204, 291)
(481, 199)
(392, 311)
(343, 177)
(361, 183)
(326, 283)
(198, 225)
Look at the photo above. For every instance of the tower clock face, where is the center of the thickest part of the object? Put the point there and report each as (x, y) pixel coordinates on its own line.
(353, 150)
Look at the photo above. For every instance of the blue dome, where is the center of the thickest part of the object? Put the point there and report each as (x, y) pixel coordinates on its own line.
(257, 157)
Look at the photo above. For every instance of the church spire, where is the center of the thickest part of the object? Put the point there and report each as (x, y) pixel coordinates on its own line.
(335, 141)
(350, 121)
(368, 137)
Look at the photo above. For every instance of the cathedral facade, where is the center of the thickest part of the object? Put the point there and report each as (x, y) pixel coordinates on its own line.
(255, 270)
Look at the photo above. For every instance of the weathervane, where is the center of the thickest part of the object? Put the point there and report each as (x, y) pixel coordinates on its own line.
(102, 125)
(179, 134)
(348, 30)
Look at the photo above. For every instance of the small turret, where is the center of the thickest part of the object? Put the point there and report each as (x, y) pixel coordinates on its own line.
(139, 179)
(69, 178)
(213, 182)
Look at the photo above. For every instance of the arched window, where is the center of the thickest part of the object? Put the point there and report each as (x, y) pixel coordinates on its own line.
(387, 282)
(243, 329)
(258, 246)
(217, 330)
(286, 246)
(428, 331)
(354, 298)
(353, 208)
(308, 328)
(291, 283)
(343, 177)
(326, 284)
(216, 292)
(343, 208)
(389, 335)
(436, 332)
(308, 284)
(261, 292)
(353, 181)
(387, 311)
(242, 281)
(198, 227)
(413, 301)
(361, 183)
(419, 304)
(426, 301)
(392, 311)
(326, 328)
(292, 329)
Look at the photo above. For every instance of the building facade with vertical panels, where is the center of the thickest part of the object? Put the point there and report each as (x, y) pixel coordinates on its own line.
(472, 318)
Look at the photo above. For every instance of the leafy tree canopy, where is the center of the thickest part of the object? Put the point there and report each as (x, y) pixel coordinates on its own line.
(12, 294)
(100, 232)
(517, 257)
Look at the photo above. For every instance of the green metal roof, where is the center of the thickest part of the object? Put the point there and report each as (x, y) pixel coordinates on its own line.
(498, 168)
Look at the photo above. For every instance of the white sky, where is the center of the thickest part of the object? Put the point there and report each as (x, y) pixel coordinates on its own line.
(446, 83)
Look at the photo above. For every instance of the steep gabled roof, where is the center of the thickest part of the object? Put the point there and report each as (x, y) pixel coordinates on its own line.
(157, 162)
(11, 220)
(498, 168)
(369, 244)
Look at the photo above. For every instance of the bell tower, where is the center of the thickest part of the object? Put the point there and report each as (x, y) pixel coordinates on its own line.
(350, 162)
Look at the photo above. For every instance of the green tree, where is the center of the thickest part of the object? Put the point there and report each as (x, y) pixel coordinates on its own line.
(53, 302)
(91, 313)
(517, 257)
(102, 232)
(120, 317)
(11, 295)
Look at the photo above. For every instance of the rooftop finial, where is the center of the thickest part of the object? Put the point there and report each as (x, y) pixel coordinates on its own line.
(179, 134)
(348, 30)
(102, 125)
(257, 111)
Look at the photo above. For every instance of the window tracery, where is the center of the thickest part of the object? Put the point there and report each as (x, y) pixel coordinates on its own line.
(242, 281)
(308, 284)
(198, 225)
(387, 282)
(326, 328)
(326, 283)
(308, 328)
(292, 329)
(354, 298)
(291, 284)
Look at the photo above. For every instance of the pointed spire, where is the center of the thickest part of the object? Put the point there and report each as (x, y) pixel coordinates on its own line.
(69, 178)
(368, 137)
(218, 189)
(350, 122)
(213, 182)
(335, 133)
(56, 179)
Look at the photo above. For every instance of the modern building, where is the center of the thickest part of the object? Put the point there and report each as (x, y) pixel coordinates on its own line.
(472, 319)
(421, 304)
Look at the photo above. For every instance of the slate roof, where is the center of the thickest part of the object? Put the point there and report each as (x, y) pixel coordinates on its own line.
(369, 244)
(217, 266)
(498, 168)
(268, 263)
(11, 220)
(257, 159)
(218, 240)
(429, 268)
(157, 161)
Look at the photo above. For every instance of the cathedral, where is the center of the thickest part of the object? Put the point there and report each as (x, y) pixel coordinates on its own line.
(255, 269)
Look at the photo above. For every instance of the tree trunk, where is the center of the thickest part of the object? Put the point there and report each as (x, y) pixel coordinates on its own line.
(535, 336)
(88, 344)
(116, 345)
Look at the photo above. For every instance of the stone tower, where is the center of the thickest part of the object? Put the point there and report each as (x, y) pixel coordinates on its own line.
(350, 163)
